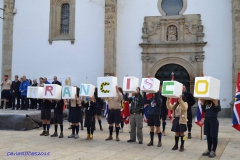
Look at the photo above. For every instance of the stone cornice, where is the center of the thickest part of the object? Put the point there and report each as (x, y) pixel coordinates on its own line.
(178, 44)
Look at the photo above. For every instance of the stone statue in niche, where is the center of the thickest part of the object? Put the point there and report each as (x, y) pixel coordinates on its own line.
(172, 33)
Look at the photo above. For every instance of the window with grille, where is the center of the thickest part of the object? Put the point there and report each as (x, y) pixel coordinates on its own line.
(65, 19)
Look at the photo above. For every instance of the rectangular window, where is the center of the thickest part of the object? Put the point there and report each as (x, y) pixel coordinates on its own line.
(65, 18)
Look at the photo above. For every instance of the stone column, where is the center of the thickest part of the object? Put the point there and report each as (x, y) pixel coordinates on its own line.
(110, 38)
(236, 42)
(7, 38)
(163, 32)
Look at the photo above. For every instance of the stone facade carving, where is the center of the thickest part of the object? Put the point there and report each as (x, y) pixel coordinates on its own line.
(197, 58)
(173, 39)
(172, 33)
(55, 25)
(7, 38)
(110, 38)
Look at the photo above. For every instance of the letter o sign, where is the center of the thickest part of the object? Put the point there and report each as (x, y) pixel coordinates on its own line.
(205, 89)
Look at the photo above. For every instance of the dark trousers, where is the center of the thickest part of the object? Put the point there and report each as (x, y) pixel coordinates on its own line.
(10, 101)
(14, 97)
(24, 102)
(39, 101)
(33, 103)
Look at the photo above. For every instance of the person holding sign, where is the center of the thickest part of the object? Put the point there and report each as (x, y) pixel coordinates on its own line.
(179, 120)
(58, 118)
(90, 113)
(136, 116)
(211, 125)
(46, 116)
(75, 115)
(114, 106)
(99, 106)
(154, 112)
(190, 101)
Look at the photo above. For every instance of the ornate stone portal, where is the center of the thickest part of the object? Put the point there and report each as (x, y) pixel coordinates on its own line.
(174, 39)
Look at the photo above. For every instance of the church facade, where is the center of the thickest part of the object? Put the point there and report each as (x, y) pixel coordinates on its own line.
(92, 38)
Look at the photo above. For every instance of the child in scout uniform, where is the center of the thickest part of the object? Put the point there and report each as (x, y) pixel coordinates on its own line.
(75, 115)
(211, 125)
(179, 120)
(114, 106)
(46, 116)
(154, 112)
(90, 113)
(58, 118)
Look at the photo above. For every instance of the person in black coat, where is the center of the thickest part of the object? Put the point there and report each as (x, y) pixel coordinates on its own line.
(211, 125)
(15, 93)
(99, 106)
(58, 118)
(90, 112)
(190, 101)
(55, 81)
(164, 110)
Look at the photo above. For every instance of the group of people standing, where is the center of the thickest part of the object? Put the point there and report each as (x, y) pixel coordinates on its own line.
(158, 107)
(16, 91)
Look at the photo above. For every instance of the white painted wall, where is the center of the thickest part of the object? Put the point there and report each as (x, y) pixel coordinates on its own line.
(131, 15)
(33, 56)
(217, 21)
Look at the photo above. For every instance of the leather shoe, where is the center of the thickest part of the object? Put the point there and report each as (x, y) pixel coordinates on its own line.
(131, 140)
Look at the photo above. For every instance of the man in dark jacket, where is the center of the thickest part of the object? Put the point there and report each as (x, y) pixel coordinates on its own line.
(136, 116)
(33, 100)
(55, 81)
(190, 101)
(164, 110)
(15, 93)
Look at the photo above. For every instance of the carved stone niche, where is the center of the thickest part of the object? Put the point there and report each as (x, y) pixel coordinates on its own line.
(173, 39)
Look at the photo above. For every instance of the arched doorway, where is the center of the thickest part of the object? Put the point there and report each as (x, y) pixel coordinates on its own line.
(180, 74)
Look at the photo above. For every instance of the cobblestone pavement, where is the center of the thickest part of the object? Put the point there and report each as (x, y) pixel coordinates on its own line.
(98, 148)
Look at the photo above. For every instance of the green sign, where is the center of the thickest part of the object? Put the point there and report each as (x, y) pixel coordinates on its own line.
(168, 88)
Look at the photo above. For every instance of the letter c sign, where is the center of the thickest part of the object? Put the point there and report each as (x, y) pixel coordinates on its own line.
(102, 87)
(202, 83)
